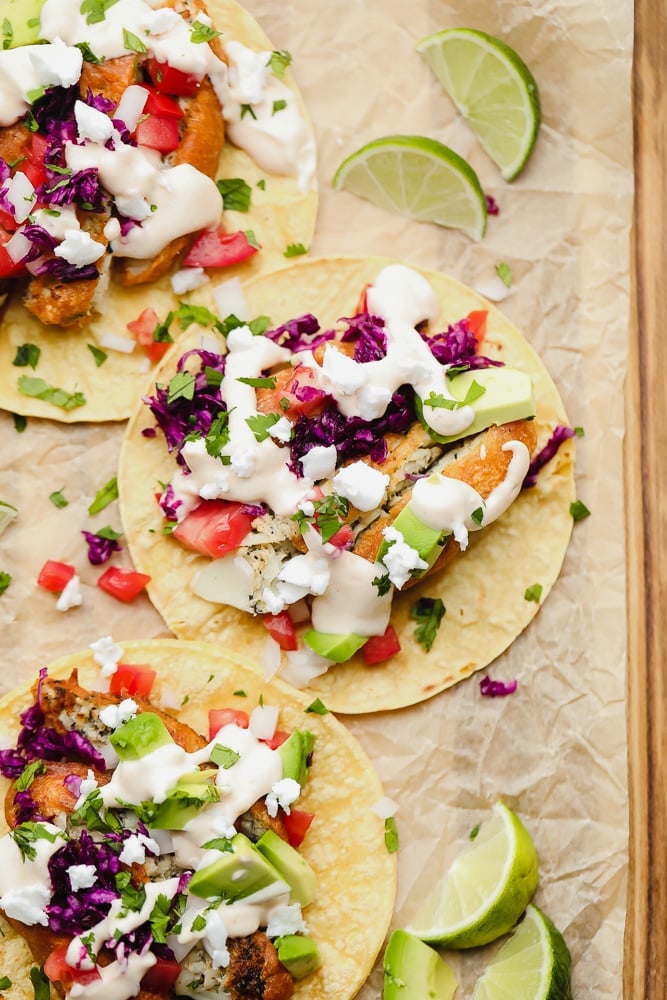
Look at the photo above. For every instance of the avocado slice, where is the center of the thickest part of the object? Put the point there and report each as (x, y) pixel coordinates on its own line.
(294, 754)
(334, 646)
(413, 971)
(181, 804)
(235, 874)
(20, 25)
(139, 736)
(294, 868)
(508, 395)
(429, 542)
(299, 954)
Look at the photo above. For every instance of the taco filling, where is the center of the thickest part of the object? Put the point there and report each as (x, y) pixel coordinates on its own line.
(111, 128)
(324, 471)
(144, 858)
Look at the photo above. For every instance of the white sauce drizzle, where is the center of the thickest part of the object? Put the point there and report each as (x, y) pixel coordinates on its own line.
(351, 602)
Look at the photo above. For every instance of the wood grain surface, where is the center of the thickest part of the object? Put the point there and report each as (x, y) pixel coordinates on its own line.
(646, 451)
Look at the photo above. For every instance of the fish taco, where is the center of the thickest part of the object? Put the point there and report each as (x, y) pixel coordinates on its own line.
(125, 127)
(176, 826)
(357, 482)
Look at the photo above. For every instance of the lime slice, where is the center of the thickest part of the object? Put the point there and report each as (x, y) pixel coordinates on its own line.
(486, 889)
(7, 514)
(417, 177)
(534, 964)
(492, 88)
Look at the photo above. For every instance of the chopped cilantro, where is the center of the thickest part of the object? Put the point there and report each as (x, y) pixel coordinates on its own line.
(295, 250)
(318, 707)
(579, 431)
(428, 612)
(31, 123)
(218, 435)
(40, 984)
(259, 383)
(181, 386)
(579, 510)
(383, 584)
(132, 897)
(26, 834)
(104, 496)
(199, 923)
(5, 982)
(328, 516)
(504, 272)
(279, 60)
(5, 580)
(246, 109)
(477, 516)
(133, 43)
(251, 238)
(37, 388)
(390, 835)
(20, 422)
(34, 95)
(236, 193)
(284, 404)
(88, 54)
(109, 533)
(160, 918)
(7, 33)
(27, 354)
(533, 593)
(261, 423)
(223, 756)
(28, 774)
(58, 499)
(93, 816)
(187, 313)
(475, 830)
(240, 694)
(203, 32)
(278, 106)
(219, 844)
(186, 699)
(96, 10)
(261, 184)
(99, 355)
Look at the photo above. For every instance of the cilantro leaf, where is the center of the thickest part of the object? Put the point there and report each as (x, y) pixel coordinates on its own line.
(96, 10)
(246, 109)
(318, 707)
(279, 105)
(477, 516)
(58, 499)
(40, 984)
(259, 383)
(428, 612)
(181, 386)
(7, 33)
(295, 250)
(28, 775)
(390, 835)
(223, 756)
(328, 516)
(383, 584)
(261, 423)
(88, 54)
(133, 43)
(99, 356)
(104, 496)
(236, 193)
(20, 422)
(27, 354)
(504, 272)
(218, 435)
(37, 388)
(279, 60)
(579, 510)
(533, 593)
(203, 32)
(5, 982)
(5, 580)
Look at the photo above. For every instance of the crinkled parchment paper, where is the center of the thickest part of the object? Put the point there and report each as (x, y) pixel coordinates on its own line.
(556, 749)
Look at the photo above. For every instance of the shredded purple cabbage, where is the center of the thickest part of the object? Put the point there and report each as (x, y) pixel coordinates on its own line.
(367, 332)
(82, 188)
(99, 102)
(180, 418)
(5, 203)
(100, 549)
(457, 345)
(26, 808)
(169, 503)
(300, 334)
(496, 689)
(353, 437)
(544, 455)
(73, 912)
(55, 109)
(61, 270)
(5, 171)
(491, 205)
(42, 242)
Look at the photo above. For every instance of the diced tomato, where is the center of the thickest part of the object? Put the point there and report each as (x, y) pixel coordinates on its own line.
(58, 971)
(161, 977)
(297, 823)
(35, 172)
(381, 647)
(217, 248)
(39, 145)
(277, 739)
(8, 267)
(160, 104)
(343, 537)
(214, 528)
(55, 576)
(158, 132)
(476, 321)
(283, 399)
(281, 628)
(219, 717)
(8, 223)
(132, 678)
(168, 80)
(33, 165)
(143, 328)
(123, 584)
(362, 304)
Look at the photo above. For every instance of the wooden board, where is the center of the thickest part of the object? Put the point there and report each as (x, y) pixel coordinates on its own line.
(646, 452)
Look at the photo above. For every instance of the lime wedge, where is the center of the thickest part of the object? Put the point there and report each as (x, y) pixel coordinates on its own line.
(7, 514)
(492, 88)
(486, 889)
(417, 177)
(533, 965)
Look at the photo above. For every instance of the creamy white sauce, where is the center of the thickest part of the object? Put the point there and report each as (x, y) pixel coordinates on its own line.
(151, 776)
(118, 980)
(351, 602)
(24, 71)
(25, 883)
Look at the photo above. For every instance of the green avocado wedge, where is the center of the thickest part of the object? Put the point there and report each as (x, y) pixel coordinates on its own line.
(333, 646)
(414, 971)
(20, 22)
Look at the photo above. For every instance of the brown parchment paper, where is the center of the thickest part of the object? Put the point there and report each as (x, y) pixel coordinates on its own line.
(555, 750)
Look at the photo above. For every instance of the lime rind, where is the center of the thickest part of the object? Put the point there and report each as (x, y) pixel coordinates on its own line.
(504, 110)
(534, 964)
(418, 177)
(486, 889)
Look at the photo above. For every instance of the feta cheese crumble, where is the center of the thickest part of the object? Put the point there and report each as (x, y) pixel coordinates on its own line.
(400, 558)
(361, 484)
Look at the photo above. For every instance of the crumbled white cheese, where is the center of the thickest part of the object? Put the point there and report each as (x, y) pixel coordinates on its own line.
(71, 596)
(243, 463)
(187, 279)
(79, 248)
(400, 559)
(273, 603)
(307, 572)
(281, 430)
(82, 876)
(344, 373)
(107, 654)
(216, 487)
(91, 123)
(384, 807)
(88, 785)
(283, 793)
(27, 904)
(372, 401)
(285, 919)
(114, 716)
(134, 206)
(215, 940)
(319, 462)
(361, 484)
(135, 847)
(57, 64)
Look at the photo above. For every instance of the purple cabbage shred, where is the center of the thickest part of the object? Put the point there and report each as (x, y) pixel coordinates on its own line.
(559, 436)
(457, 345)
(100, 549)
(367, 332)
(496, 689)
(63, 271)
(182, 417)
(300, 334)
(492, 207)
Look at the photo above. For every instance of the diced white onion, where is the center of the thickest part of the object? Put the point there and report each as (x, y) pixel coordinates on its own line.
(303, 666)
(384, 807)
(115, 343)
(229, 580)
(131, 106)
(271, 657)
(169, 698)
(263, 721)
(187, 279)
(18, 246)
(493, 288)
(230, 300)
